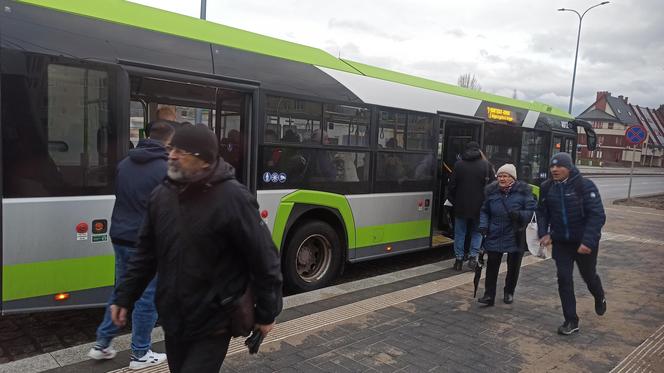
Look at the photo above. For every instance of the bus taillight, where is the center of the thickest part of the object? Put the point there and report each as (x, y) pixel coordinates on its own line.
(61, 296)
(264, 214)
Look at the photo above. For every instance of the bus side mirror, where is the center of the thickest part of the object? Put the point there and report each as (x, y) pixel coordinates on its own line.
(588, 129)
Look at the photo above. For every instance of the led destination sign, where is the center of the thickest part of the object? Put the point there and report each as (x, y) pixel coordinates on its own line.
(499, 114)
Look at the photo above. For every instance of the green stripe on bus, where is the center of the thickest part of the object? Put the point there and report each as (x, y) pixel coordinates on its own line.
(311, 197)
(28, 280)
(137, 15)
(280, 220)
(390, 233)
(536, 191)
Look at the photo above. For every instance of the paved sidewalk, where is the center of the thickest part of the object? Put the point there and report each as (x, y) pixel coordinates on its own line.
(430, 322)
(447, 331)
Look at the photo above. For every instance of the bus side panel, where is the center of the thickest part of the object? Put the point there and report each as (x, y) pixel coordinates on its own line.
(391, 223)
(45, 254)
(270, 201)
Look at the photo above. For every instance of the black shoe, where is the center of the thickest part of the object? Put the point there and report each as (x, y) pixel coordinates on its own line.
(600, 306)
(472, 262)
(508, 298)
(486, 300)
(458, 265)
(568, 328)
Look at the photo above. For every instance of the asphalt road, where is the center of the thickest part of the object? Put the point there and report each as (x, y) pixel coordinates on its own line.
(615, 187)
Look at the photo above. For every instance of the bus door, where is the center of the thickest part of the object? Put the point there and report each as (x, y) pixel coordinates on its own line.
(62, 121)
(196, 102)
(452, 139)
(564, 143)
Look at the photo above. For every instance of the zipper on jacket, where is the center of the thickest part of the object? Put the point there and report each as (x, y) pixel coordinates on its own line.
(562, 199)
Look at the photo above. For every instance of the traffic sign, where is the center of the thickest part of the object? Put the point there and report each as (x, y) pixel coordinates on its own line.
(635, 134)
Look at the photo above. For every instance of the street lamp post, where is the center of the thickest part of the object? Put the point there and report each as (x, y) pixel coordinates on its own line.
(203, 9)
(578, 37)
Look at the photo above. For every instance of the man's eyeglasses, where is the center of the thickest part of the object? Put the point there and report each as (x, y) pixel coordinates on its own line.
(179, 152)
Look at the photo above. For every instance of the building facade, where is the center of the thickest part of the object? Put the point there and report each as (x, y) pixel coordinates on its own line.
(610, 117)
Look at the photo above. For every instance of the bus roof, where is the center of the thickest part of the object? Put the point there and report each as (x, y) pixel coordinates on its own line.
(137, 15)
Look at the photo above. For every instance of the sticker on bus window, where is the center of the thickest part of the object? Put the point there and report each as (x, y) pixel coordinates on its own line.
(81, 236)
(266, 177)
(98, 238)
(274, 177)
(282, 177)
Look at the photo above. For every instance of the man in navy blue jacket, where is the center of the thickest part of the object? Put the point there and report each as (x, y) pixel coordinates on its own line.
(571, 215)
(136, 176)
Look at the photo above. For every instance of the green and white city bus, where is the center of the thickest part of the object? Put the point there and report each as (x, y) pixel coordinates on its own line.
(349, 162)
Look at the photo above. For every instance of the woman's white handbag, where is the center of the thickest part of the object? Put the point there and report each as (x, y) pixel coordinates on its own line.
(532, 239)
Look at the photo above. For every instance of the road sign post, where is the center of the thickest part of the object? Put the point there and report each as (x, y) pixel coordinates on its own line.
(634, 135)
(631, 172)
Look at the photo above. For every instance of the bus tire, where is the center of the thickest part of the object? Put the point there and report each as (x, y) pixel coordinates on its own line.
(313, 257)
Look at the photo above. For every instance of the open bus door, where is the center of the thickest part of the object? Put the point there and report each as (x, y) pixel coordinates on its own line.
(454, 134)
(62, 123)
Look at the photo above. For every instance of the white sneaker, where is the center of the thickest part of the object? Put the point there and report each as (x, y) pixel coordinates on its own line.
(99, 353)
(150, 359)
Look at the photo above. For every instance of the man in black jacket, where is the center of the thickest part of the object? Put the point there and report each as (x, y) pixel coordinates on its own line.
(466, 192)
(571, 215)
(204, 238)
(137, 175)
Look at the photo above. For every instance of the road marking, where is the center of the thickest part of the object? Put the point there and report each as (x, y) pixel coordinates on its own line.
(632, 211)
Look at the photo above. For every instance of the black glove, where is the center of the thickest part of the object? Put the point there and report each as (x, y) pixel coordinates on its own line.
(514, 216)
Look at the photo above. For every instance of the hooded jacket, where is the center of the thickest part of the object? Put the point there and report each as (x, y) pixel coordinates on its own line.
(205, 240)
(466, 188)
(136, 176)
(495, 220)
(568, 217)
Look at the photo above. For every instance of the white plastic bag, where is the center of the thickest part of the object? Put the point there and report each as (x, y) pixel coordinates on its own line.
(532, 239)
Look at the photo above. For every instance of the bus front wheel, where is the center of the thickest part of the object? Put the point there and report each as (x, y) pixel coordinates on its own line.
(313, 257)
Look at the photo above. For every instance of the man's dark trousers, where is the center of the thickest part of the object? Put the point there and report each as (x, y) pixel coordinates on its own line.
(565, 254)
(200, 355)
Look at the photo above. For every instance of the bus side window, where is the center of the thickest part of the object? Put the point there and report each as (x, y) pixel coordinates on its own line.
(56, 126)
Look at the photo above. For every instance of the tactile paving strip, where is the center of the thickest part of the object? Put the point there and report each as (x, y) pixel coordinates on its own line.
(648, 357)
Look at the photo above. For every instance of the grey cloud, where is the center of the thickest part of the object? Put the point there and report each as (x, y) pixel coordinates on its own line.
(456, 32)
(490, 57)
(363, 27)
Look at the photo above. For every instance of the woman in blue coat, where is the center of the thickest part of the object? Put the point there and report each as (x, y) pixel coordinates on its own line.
(508, 206)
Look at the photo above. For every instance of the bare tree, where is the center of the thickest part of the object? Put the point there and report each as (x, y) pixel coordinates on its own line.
(514, 94)
(469, 81)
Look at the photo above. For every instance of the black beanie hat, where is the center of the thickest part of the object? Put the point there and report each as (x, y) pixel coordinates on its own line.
(472, 145)
(198, 140)
(562, 160)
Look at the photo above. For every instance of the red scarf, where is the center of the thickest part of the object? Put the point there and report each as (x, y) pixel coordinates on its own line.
(506, 189)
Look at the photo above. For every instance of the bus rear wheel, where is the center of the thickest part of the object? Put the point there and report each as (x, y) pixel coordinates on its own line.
(313, 257)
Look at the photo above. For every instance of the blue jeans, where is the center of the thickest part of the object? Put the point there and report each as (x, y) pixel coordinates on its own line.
(143, 317)
(461, 226)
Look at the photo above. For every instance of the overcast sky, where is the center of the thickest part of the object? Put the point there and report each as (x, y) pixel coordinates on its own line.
(521, 45)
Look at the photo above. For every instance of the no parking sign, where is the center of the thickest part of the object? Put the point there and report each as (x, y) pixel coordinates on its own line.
(635, 134)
